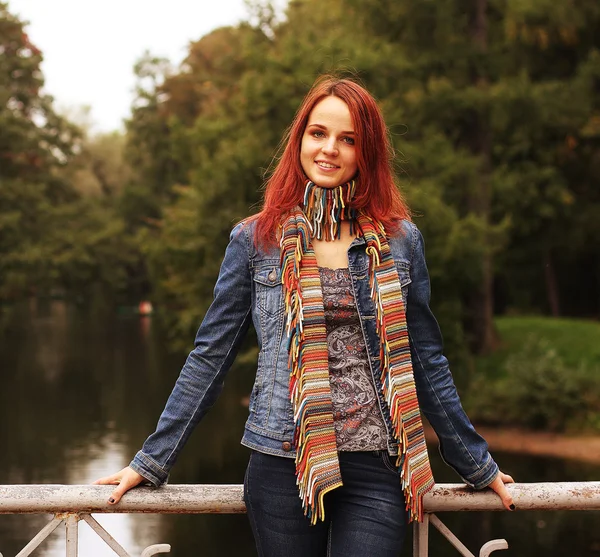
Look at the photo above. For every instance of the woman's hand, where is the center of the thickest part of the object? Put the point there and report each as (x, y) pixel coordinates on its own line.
(125, 480)
(498, 486)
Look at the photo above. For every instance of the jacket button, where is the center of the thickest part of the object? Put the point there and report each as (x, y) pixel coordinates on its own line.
(272, 276)
(286, 446)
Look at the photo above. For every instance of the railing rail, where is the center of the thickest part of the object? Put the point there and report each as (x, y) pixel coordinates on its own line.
(72, 503)
(227, 498)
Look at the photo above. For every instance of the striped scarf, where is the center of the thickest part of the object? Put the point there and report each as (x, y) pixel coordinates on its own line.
(317, 465)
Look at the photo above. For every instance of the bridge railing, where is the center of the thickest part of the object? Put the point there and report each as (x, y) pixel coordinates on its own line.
(73, 503)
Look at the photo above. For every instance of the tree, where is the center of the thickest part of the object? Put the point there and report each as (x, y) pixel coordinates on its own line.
(34, 142)
(59, 229)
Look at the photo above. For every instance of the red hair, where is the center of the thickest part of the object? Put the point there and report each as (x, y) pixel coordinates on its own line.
(376, 192)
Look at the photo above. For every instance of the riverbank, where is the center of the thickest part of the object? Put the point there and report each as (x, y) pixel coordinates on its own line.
(538, 443)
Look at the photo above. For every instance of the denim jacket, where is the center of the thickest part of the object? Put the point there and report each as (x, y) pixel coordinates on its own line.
(248, 290)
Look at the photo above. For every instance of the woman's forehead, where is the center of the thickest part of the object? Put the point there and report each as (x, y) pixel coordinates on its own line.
(331, 111)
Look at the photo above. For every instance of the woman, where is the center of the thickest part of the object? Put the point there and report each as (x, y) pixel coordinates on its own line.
(332, 274)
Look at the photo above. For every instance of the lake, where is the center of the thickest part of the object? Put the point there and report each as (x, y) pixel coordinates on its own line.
(81, 392)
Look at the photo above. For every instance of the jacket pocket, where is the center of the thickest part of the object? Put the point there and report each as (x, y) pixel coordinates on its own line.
(269, 291)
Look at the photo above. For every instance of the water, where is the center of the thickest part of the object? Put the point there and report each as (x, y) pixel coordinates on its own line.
(80, 393)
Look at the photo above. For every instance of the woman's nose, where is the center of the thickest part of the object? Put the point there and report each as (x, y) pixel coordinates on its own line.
(330, 147)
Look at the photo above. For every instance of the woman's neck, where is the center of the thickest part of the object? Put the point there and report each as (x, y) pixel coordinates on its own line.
(334, 253)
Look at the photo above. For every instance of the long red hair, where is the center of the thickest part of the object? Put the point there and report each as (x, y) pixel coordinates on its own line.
(376, 192)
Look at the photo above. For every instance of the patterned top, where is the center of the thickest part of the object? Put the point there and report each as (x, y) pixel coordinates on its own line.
(357, 418)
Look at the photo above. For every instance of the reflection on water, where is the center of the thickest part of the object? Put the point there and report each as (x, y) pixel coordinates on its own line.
(80, 394)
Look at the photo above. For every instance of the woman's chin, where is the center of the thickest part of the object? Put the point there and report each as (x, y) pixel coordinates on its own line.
(327, 182)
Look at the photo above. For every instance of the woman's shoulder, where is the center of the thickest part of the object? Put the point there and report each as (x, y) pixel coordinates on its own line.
(408, 228)
(247, 225)
(404, 239)
(245, 231)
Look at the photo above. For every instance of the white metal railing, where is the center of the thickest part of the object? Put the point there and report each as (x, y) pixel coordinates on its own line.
(72, 503)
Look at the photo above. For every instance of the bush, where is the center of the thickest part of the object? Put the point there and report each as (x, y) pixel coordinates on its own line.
(536, 389)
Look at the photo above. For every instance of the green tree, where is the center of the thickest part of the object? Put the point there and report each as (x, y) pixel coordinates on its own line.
(94, 252)
(34, 143)
(148, 147)
(59, 229)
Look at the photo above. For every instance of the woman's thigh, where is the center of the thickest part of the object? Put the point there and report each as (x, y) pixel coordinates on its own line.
(367, 514)
(275, 510)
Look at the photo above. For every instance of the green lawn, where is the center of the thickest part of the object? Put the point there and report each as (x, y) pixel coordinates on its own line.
(576, 341)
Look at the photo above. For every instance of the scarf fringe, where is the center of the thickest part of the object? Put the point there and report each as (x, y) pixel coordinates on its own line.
(326, 208)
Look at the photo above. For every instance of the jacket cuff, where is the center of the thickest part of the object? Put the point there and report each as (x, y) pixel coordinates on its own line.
(146, 467)
(484, 476)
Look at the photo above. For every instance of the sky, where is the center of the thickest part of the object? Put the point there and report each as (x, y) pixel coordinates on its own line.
(90, 46)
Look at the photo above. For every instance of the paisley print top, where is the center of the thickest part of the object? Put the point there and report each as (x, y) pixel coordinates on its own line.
(357, 418)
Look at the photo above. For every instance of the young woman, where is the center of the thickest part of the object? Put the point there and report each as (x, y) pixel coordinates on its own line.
(332, 274)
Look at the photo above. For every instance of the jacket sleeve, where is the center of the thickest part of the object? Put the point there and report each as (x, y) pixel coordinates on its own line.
(201, 379)
(461, 446)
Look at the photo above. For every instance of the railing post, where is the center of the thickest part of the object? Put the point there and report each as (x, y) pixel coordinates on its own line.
(72, 534)
(421, 537)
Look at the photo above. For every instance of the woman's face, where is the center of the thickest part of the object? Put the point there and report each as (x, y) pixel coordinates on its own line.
(328, 153)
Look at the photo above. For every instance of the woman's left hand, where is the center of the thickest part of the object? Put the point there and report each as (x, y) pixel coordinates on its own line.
(498, 486)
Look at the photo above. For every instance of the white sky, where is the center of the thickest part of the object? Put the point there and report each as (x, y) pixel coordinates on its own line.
(90, 46)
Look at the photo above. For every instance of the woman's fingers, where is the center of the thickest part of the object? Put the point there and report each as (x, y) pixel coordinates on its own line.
(109, 480)
(120, 490)
(498, 485)
(124, 480)
(506, 478)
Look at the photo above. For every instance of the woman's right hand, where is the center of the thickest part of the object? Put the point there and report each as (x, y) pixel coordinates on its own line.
(124, 479)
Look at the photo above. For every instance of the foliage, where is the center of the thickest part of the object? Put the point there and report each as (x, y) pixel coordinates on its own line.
(59, 229)
(34, 142)
(100, 169)
(545, 377)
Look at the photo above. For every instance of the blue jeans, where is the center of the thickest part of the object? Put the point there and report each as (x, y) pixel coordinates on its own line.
(364, 517)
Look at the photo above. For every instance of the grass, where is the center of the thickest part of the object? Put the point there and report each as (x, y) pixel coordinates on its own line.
(576, 341)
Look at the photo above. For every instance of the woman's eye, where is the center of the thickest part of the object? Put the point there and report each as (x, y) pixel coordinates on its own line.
(348, 140)
(318, 133)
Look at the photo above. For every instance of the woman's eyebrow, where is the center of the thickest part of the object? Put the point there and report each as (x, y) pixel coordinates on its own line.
(322, 127)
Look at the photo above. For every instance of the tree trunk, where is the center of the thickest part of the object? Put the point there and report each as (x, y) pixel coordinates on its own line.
(481, 300)
(551, 283)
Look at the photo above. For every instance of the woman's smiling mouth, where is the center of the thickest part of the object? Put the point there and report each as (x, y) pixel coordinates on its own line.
(325, 165)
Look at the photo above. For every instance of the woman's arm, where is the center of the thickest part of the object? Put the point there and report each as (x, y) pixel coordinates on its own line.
(201, 379)
(461, 446)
